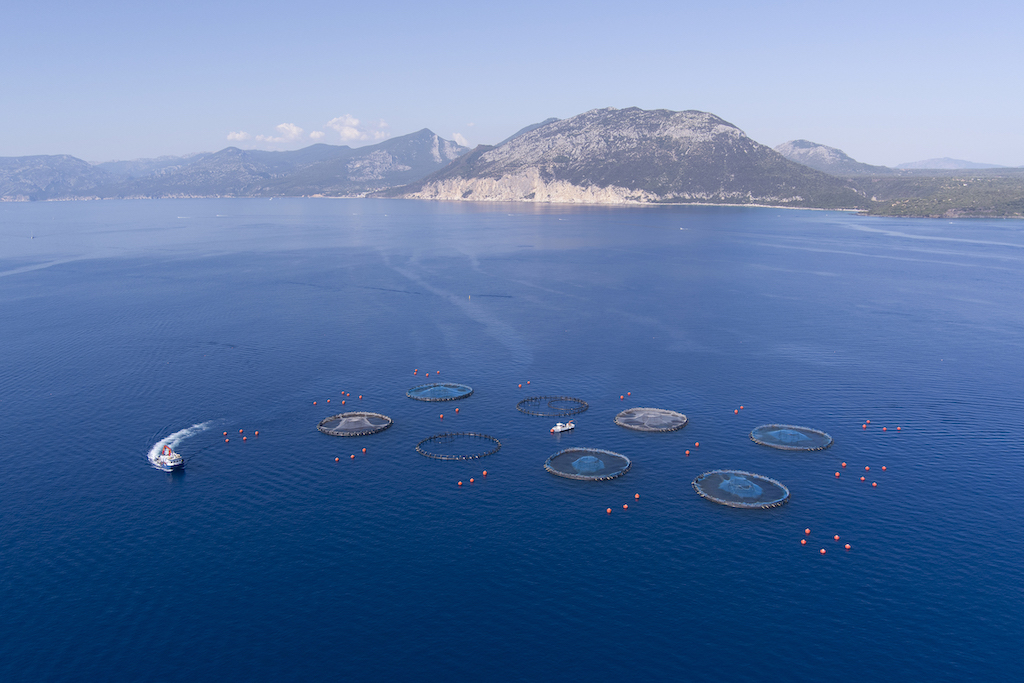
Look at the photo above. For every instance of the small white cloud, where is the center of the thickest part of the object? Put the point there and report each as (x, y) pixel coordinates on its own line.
(470, 124)
(317, 134)
(288, 132)
(238, 136)
(381, 135)
(347, 127)
(461, 139)
(382, 124)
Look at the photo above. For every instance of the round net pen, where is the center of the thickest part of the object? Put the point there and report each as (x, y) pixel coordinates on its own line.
(458, 446)
(739, 489)
(651, 420)
(439, 391)
(588, 464)
(354, 424)
(552, 406)
(790, 438)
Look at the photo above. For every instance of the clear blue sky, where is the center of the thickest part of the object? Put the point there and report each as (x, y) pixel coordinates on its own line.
(888, 82)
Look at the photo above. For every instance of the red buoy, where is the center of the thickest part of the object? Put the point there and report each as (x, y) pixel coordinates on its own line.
(687, 452)
(862, 478)
(803, 541)
(337, 459)
(245, 438)
(364, 450)
(636, 496)
(822, 551)
(837, 474)
(609, 511)
(807, 531)
(847, 546)
(735, 412)
(460, 483)
(625, 507)
(883, 467)
(836, 537)
(874, 483)
(471, 480)
(844, 464)
(485, 473)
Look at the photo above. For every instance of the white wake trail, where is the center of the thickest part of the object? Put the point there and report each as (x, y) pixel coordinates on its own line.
(174, 439)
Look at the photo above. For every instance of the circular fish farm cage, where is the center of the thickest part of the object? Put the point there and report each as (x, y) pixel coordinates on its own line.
(439, 391)
(458, 446)
(588, 464)
(790, 438)
(651, 420)
(552, 406)
(354, 424)
(739, 489)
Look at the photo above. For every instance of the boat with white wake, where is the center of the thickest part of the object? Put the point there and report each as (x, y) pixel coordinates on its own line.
(563, 426)
(168, 460)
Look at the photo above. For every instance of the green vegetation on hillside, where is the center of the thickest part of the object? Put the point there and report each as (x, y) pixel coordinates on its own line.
(990, 193)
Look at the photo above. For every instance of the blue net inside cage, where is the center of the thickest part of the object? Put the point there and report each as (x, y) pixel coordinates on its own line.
(651, 420)
(740, 489)
(790, 437)
(354, 424)
(439, 391)
(552, 406)
(589, 464)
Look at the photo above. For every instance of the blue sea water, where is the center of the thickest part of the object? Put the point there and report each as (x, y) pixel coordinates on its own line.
(122, 323)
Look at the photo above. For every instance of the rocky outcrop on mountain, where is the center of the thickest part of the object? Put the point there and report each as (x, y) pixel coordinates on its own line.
(634, 156)
(828, 159)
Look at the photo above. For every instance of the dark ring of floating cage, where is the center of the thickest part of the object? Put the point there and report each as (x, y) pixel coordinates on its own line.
(584, 477)
(653, 429)
(736, 504)
(464, 394)
(364, 432)
(448, 456)
(791, 448)
(553, 411)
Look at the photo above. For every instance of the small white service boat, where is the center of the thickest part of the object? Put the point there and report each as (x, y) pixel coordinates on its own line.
(168, 460)
(563, 426)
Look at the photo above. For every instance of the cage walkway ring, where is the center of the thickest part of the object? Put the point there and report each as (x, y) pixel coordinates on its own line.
(356, 423)
(651, 419)
(431, 444)
(790, 437)
(552, 406)
(740, 489)
(588, 464)
(439, 391)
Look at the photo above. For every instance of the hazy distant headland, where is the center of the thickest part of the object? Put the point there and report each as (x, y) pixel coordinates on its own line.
(603, 156)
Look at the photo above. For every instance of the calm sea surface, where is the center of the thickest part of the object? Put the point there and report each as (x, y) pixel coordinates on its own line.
(123, 323)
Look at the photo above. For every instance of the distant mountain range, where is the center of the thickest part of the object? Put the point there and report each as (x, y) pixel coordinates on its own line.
(947, 164)
(633, 156)
(326, 170)
(828, 159)
(603, 156)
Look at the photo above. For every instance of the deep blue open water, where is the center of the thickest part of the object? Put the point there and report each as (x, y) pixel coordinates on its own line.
(122, 323)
